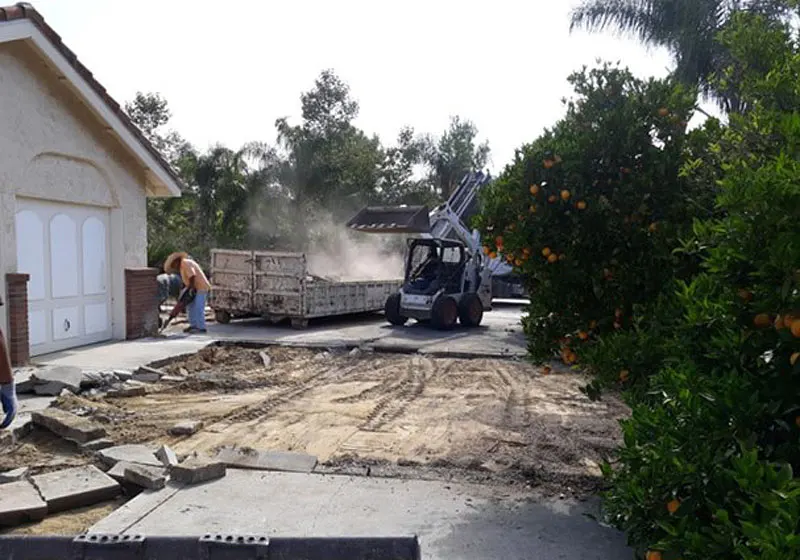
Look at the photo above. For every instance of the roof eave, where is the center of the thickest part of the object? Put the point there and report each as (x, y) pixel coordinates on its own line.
(160, 181)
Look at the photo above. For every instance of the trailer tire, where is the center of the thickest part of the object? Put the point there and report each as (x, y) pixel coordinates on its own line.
(470, 310)
(222, 317)
(444, 314)
(392, 310)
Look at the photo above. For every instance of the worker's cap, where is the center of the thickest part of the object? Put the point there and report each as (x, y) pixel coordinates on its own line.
(169, 264)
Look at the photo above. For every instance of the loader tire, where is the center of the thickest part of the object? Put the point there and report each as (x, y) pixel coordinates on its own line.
(470, 311)
(392, 310)
(444, 314)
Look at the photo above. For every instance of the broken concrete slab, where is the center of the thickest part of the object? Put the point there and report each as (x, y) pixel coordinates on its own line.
(266, 359)
(117, 472)
(148, 374)
(196, 470)
(246, 458)
(123, 375)
(173, 379)
(13, 475)
(186, 428)
(51, 380)
(146, 477)
(20, 503)
(76, 487)
(130, 453)
(167, 456)
(23, 380)
(68, 425)
(97, 444)
(127, 391)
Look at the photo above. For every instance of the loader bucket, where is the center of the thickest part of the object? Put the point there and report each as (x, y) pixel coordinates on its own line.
(392, 219)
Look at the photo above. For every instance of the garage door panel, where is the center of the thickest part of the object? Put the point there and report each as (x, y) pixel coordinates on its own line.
(63, 257)
(95, 318)
(37, 327)
(66, 323)
(31, 251)
(93, 239)
(65, 250)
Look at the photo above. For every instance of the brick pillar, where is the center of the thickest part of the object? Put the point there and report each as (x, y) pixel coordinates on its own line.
(17, 304)
(141, 302)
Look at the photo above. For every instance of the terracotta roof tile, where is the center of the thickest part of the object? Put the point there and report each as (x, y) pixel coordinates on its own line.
(24, 10)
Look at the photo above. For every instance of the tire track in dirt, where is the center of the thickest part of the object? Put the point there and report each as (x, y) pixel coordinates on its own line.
(292, 390)
(516, 411)
(394, 403)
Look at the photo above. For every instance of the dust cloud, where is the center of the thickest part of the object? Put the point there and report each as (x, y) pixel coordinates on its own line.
(336, 253)
(333, 251)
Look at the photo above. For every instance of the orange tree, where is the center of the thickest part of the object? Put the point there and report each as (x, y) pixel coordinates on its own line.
(589, 212)
(709, 464)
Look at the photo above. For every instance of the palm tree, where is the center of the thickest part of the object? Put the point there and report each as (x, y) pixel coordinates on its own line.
(686, 28)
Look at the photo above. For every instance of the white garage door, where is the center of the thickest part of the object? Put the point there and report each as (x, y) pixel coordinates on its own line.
(64, 248)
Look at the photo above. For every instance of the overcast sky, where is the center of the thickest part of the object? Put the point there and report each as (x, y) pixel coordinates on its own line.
(230, 69)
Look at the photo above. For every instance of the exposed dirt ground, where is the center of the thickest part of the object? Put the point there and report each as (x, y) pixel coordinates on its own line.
(381, 414)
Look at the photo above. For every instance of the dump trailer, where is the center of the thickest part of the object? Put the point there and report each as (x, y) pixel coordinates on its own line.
(277, 286)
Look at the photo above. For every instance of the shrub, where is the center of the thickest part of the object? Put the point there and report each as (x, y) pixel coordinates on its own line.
(590, 212)
(710, 453)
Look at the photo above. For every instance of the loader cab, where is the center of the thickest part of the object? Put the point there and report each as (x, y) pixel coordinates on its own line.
(433, 264)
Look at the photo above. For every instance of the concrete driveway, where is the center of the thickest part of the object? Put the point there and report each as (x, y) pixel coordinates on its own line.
(500, 334)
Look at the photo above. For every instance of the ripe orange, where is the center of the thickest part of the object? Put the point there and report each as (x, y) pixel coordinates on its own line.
(486, 250)
(526, 251)
(534, 190)
(673, 506)
(653, 555)
(583, 335)
(762, 321)
(518, 262)
(779, 323)
(796, 328)
(492, 255)
(653, 227)
(546, 252)
(581, 205)
(746, 295)
(623, 375)
(532, 208)
(554, 258)
(565, 194)
(552, 198)
(509, 257)
(794, 358)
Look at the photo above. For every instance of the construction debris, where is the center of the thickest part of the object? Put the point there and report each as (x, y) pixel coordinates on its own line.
(13, 475)
(147, 374)
(51, 381)
(132, 453)
(196, 470)
(167, 456)
(186, 428)
(68, 425)
(146, 477)
(97, 444)
(266, 359)
(126, 391)
(19, 503)
(246, 458)
(76, 487)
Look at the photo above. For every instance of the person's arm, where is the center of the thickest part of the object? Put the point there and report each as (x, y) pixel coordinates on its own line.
(8, 390)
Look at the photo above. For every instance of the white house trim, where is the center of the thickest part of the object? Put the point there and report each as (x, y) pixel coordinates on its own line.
(24, 29)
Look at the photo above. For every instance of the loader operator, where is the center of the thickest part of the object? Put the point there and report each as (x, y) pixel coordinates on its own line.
(8, 390)
(193, 279)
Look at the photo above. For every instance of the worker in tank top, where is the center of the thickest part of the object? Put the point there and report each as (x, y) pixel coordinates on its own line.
(193, 278)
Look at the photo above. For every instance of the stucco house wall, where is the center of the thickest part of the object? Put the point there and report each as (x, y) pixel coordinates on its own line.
(53, 148)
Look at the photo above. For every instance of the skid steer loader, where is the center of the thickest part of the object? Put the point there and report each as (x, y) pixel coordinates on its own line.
(447, 277)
